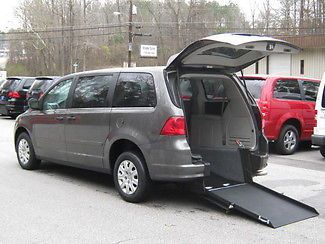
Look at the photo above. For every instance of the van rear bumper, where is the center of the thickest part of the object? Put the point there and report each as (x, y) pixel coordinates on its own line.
(176, 173)
(318, 140)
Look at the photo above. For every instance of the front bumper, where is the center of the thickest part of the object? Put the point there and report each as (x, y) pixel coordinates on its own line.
(318, 140)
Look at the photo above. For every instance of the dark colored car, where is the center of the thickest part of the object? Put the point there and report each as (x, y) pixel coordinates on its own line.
(13, 95)
(287, 105)
(40, 85)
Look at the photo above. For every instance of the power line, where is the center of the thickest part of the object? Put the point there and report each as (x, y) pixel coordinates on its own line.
(60, 37)
(60, 29)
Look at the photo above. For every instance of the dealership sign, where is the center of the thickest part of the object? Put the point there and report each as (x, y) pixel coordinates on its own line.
(148, 51)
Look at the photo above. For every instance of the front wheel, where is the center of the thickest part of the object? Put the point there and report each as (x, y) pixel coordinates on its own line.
(25, 152)
(131, 178)
(288, 140)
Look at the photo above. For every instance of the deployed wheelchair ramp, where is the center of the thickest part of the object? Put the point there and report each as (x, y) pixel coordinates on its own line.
(256, 201)
(261, 203)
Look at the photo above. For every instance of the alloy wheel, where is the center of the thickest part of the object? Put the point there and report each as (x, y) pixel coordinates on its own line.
(289, 140)
(23, 151)
(127, 177)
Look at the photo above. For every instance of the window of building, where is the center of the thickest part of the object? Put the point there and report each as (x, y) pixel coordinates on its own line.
(256, 67)
(91, 91)
(287, 89)
(302, 67)
(135, 90)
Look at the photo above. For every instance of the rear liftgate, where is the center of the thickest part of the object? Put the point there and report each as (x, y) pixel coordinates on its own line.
(230, 186)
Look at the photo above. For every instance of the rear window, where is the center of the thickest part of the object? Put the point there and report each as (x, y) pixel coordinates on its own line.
(225, 52)
(41, 85)
(310, 89)
(255, 86)
(12, 84)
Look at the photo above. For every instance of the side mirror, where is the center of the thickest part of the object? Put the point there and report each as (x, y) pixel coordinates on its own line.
(34, 104)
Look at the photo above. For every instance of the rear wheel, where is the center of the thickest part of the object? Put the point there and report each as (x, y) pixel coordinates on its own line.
(131, 178)
(25, 152)
(322, 150)
(288, 140)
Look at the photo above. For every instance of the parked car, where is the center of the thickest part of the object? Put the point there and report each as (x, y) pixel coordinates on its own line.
(40, 85)
(287, 105)
(318, 137)
(1, 82)
(134, 124)
(13, 95)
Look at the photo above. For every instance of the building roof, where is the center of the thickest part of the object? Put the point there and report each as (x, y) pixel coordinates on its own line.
(303, 41)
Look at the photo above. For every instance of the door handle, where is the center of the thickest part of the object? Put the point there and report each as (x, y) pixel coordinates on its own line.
(59, 118)
(71, 118)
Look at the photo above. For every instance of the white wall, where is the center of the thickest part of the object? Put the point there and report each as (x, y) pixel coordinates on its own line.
(314, 59)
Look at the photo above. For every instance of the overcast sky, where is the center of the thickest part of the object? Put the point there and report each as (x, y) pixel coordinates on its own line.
(8, 19)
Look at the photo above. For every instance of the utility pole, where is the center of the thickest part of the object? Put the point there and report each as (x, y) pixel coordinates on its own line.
(130, 34)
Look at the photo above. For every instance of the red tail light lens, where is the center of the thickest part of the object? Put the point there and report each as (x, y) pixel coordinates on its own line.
(264, 107)
(174, 126)
(14, 94)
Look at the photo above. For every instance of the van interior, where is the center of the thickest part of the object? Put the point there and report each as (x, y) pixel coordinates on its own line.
(218, 120)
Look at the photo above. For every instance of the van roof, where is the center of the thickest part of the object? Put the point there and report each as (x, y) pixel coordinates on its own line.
(121, 69)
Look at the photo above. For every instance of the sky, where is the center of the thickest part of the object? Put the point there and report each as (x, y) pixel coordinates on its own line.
(8, 19)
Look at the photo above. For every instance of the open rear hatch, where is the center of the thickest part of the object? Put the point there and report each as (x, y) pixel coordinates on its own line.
(228, 52)
(230, 184)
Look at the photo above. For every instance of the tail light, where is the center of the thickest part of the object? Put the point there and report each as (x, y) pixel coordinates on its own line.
(14, 94)
(316, 114)
(174, 126)
(265, 109)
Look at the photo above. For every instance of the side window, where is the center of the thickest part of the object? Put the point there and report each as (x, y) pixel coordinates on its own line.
(310, 90)
(135, 90)
(287, 89)
(185, 89)
(28, 83)
(91, 91)
(214, 89)
(58, 96)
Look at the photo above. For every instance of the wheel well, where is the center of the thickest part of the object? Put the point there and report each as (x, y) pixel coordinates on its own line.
(19, 131)
(295, 123)
(121, 146)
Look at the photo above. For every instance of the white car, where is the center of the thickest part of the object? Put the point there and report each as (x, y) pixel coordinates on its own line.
(318, 138)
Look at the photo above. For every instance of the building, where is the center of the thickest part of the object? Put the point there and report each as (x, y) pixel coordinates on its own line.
(310, 62)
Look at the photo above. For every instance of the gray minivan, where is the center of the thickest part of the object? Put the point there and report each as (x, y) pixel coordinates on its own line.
(179, 122)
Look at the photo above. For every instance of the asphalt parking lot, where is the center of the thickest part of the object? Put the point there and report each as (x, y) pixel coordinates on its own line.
(63, 204)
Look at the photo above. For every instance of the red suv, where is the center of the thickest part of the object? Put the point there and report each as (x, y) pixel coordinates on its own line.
(287, 106)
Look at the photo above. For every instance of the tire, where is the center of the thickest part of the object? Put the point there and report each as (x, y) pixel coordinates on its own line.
(288, 140)
(322, 150)
(25, 152)
(131, 177)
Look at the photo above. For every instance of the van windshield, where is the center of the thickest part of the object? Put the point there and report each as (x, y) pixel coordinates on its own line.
(255, 86)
